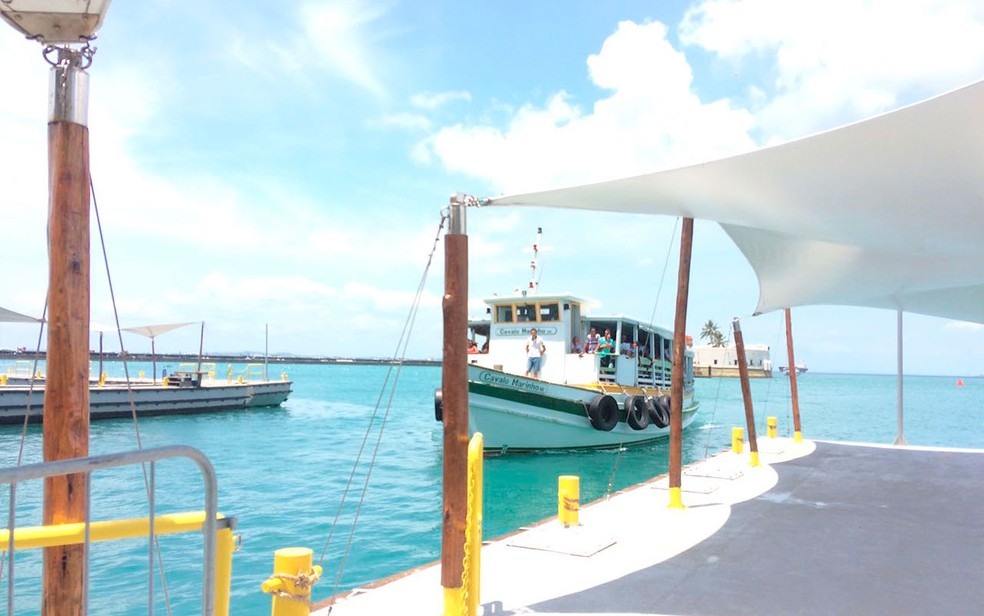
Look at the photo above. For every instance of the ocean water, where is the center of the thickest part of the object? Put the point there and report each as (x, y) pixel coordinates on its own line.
(282, 473)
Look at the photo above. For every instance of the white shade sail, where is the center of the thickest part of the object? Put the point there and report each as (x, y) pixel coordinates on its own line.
(9, 316)
(152, 331)
(884, 213)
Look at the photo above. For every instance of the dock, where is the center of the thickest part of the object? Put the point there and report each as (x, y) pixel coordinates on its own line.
(817, 528)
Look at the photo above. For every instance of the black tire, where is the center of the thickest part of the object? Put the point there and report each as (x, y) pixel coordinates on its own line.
(603, 412)
(659, 411)
(636, 413)
(438, 404)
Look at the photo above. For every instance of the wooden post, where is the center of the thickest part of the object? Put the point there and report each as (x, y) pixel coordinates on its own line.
(66, 395)
(746, 394)
(793, 387)
(454, 387)
(679, 364)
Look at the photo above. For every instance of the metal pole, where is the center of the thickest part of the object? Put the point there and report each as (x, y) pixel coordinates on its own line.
(454, 385)
(679, 364)
(746, 393)
(900, 437)
(66, 399)
(793, 379)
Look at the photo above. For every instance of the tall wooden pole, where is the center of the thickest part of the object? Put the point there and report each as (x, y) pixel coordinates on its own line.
(746, 394)
(793, 379)
(679, 364)
(66, 395)
(454, 386)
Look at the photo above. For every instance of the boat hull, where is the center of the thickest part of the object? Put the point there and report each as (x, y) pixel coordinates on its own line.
(114, 400)
(515, 414)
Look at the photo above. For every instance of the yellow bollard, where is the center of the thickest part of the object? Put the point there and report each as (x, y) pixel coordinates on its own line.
(771, 424)
(141, 374)
(102, 379)
(3, 379)
(568, 499)
(737, 439)
(797, 437)
(291, 582)
(283, 376)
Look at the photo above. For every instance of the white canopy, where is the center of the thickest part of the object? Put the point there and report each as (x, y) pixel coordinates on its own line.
(885, 213)
(9, 316)
(152, 331)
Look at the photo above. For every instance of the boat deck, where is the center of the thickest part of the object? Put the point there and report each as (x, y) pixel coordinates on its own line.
(818, 528)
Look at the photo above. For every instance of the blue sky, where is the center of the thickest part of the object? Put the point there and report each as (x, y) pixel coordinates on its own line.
(286, 163)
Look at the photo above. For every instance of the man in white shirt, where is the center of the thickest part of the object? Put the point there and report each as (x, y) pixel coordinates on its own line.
(535, 349)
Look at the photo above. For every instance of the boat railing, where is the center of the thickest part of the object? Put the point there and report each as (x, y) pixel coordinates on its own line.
(218, 539)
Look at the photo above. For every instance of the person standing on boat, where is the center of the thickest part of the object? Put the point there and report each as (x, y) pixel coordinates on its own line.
(606, 348)
(576, 346)
(591, 342)
(535, 349)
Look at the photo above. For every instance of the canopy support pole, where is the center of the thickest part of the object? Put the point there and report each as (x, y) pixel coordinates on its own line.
(793, 379)
(679, 364)
(66, 395)
(746, 393)
(454, 388)
(900, 437)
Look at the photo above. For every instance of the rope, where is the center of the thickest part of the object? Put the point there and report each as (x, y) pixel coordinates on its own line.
(129, 388)
(394, 373)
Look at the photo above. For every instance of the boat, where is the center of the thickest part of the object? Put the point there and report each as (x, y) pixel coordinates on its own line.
(580, 400)
(187, 390)
(800, 368)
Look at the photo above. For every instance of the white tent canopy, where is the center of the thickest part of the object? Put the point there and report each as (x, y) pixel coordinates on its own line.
(9, 316)
(885, 213)
(152, 331)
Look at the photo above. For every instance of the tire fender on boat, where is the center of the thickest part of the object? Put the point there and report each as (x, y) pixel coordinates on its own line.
(636, 413)
(659, 411)
(603, 412)
(438, 404)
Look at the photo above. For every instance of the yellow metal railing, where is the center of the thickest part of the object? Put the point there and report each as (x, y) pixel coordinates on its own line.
(34, 537)
(217, 531)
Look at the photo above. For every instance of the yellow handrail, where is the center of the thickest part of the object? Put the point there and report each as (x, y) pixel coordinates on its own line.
(73, 533)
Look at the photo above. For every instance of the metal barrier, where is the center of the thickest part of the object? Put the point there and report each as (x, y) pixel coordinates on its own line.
(12, 538)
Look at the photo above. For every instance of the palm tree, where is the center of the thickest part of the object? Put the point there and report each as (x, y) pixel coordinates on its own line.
(711, 333)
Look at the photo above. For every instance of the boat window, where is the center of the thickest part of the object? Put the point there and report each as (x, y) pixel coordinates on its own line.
(549, 312)
(503, 314)
(526, 312)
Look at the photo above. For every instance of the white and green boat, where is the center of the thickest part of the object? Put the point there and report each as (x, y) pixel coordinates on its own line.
(581, 400)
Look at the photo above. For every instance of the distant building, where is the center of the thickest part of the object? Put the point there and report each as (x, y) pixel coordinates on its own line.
(723, 360)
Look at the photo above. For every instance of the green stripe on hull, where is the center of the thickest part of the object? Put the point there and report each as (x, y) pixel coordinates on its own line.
(571, 407)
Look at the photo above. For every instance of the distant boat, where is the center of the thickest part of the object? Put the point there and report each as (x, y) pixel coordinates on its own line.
(181, 393)
(800, 368)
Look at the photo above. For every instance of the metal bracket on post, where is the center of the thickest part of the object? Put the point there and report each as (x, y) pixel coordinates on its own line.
(68, 84)
(456, 224)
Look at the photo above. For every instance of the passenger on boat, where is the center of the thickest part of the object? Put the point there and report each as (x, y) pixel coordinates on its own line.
(592, 342)
(576, 346)
(472, 346)
(535, 350)
(627, 347)
(606, 348)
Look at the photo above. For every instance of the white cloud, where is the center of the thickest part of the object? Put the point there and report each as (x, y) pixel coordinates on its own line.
(433, 101)
(409, 121)
(650, 120)
(343, 33)
(837, 61)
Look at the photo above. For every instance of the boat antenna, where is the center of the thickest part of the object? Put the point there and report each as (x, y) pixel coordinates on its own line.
(534, 280)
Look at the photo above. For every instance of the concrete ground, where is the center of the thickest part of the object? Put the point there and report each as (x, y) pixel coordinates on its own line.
(818, 528)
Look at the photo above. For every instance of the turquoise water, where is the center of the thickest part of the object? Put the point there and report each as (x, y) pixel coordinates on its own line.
(282, 473)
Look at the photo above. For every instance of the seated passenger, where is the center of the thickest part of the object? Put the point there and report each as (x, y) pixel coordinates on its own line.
(576, 346)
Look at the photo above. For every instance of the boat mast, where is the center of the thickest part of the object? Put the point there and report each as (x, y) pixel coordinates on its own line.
(66, 396)
(679, 365)
(534, 281)
(454, 387)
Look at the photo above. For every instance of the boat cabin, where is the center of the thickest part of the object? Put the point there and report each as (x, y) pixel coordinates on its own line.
(642, 356)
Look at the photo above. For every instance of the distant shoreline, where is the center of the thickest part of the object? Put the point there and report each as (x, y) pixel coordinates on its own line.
(237, 358)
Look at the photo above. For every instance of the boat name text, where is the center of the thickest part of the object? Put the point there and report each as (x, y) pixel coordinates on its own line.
(505, 380)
